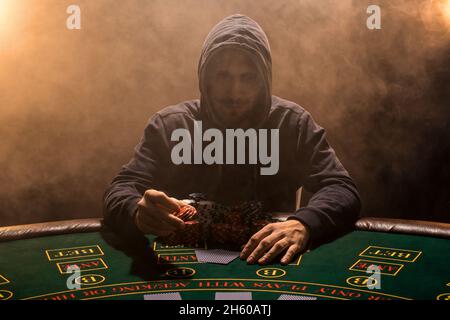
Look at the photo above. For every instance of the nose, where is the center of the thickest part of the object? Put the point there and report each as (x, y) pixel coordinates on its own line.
(235, 90)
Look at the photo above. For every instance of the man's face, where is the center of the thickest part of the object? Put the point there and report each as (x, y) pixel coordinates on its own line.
(234, 86)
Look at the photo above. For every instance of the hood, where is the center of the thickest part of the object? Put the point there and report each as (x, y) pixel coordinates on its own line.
(241, 32)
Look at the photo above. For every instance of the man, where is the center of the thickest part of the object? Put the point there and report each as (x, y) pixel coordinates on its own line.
(235, 73)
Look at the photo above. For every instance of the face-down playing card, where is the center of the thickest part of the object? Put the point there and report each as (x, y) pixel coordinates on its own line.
(163, 296)
(233, 296)
(219, 256)
(295, 297)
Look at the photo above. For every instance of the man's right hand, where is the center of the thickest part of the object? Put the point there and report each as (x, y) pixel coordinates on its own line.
(155, 214)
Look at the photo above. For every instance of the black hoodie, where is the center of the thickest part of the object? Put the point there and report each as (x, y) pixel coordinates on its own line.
(305, 157)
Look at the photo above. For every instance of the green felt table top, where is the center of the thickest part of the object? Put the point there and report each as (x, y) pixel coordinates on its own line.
(410, 267)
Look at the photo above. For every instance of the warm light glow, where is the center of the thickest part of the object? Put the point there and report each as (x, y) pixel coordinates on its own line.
(446, 9)
(436, 15)
(4, 6)
(8, 18)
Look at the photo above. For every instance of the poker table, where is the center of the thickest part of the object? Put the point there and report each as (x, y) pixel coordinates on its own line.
(82, 260)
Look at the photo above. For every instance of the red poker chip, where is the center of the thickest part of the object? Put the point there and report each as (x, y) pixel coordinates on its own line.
(186, 213)
(190, 235)
(233, 217)
(240, 234)
(221, 233)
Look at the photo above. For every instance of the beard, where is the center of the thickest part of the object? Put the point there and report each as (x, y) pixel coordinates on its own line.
(235, 114)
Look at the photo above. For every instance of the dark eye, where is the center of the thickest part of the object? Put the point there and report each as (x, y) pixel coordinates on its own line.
(249, 77)
(222, 75)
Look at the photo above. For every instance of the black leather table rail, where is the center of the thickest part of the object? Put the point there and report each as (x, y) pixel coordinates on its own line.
(413, 227)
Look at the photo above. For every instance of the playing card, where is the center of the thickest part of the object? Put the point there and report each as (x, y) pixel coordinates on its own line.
(163, 296)
(233, 296)
(219, 256)
(295, 297)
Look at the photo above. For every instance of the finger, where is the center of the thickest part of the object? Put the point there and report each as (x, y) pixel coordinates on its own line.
(180, 203)
(164, 216)
(161, 199)
(263, 246)
(149, 217)
(155, 213)
(276, 249)
(155, 222)
(290, 253)
(175, 222)
(185, 212)
(181, 208)
(253, 242)
(255, 239)
(190, 213)
(149, 229)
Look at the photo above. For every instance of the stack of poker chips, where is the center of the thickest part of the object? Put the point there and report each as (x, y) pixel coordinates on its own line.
(217, 223)
(191, 235)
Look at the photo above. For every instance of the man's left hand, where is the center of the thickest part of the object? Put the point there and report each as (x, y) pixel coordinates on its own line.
(268, 243)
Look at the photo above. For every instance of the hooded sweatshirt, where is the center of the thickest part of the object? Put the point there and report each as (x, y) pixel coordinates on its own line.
(305, 157)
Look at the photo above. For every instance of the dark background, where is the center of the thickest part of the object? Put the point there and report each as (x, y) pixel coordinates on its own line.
(74, 103)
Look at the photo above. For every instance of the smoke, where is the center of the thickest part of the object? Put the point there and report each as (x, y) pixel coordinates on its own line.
(74, 103)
